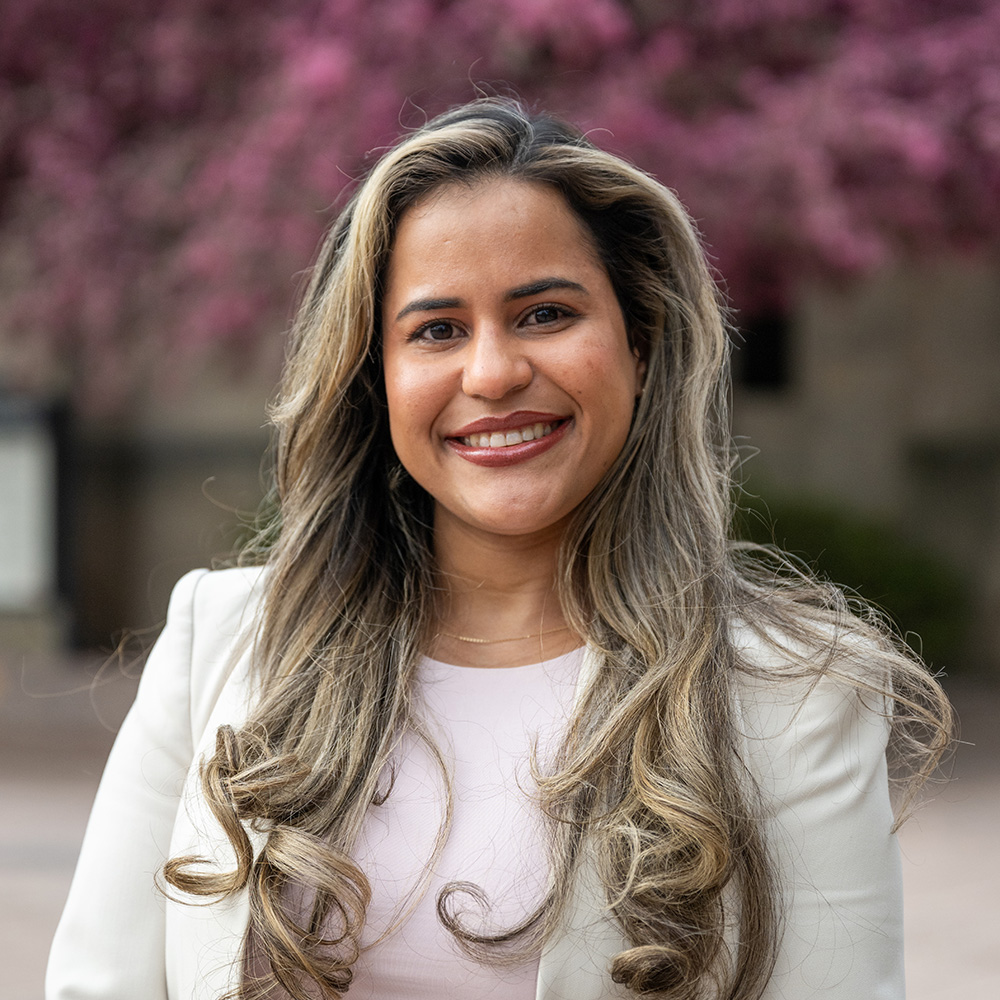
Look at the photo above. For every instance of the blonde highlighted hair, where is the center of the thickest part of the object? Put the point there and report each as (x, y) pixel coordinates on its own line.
(648, 785)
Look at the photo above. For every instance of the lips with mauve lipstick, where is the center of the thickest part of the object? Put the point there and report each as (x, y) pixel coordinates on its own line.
(516, 437)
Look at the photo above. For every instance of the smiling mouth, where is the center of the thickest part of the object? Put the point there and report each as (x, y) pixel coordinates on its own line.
(506, 439)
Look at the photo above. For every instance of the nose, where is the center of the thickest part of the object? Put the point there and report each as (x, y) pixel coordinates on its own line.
(496, 365)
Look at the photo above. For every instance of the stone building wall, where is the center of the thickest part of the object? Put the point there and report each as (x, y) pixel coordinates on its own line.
(893, 407)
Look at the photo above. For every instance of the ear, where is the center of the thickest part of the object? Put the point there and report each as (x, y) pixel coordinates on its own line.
(640, 373)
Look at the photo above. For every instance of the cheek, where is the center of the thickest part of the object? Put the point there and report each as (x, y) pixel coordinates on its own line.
(413, 403)
(612, 382)
(608, 375)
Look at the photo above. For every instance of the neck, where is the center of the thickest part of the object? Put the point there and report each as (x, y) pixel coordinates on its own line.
(497, 587)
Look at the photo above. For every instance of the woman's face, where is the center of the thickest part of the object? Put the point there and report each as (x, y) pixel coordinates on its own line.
(509, 377)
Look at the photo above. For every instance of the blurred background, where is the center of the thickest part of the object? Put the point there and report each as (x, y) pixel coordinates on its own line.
(167, 168)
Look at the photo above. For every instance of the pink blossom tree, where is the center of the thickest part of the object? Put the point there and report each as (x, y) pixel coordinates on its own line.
(167, 166)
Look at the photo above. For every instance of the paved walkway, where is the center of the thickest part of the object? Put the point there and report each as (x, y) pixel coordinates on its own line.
(55, 732)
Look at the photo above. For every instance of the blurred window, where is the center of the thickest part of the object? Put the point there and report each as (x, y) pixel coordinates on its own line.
(761, 357)
(30, 454)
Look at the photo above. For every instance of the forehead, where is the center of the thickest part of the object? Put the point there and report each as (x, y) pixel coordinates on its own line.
(526, 217)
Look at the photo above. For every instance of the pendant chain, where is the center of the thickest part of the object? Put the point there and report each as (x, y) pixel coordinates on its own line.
(513, 638)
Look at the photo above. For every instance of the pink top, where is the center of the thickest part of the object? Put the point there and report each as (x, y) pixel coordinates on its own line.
(485, 721)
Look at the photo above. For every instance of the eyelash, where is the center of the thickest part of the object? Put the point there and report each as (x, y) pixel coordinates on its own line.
(418, 334)
(562, 313)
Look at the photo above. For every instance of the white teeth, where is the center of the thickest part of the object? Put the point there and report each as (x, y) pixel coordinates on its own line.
(504, 439)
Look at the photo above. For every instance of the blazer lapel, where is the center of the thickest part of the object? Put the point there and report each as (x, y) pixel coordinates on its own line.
(204, 940)
(576, 965)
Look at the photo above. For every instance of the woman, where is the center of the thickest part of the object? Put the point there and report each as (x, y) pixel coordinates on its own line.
(502, 445)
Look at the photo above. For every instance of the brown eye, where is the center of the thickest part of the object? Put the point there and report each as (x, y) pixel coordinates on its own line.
(438, 331)
(545, 315)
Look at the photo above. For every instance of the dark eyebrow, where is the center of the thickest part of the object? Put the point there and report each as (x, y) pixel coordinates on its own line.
(428, 305)
(543, 285)
(521, 292)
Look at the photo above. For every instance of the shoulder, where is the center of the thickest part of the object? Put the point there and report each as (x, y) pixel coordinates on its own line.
(814, 724)
(213, 618)
(811, 714)
(216, 602)
(776, 666)
(220, 592)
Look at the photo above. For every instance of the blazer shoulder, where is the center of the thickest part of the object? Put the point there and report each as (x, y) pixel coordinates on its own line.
(222, 608)
(220, 604)
(813, 726)
(797, 702)
(223, 592)
(825, 654)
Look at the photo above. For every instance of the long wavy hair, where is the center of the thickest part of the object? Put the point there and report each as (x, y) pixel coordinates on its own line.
(648, 786)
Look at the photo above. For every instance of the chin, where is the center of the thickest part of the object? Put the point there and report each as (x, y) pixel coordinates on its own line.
(506, 521)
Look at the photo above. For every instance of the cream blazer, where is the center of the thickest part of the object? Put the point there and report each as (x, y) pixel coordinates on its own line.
(817, 753)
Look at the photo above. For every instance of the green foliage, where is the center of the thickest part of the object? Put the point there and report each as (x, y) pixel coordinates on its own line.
(921, 593)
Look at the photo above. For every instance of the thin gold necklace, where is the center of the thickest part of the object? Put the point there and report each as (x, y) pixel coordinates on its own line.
(513, 638)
